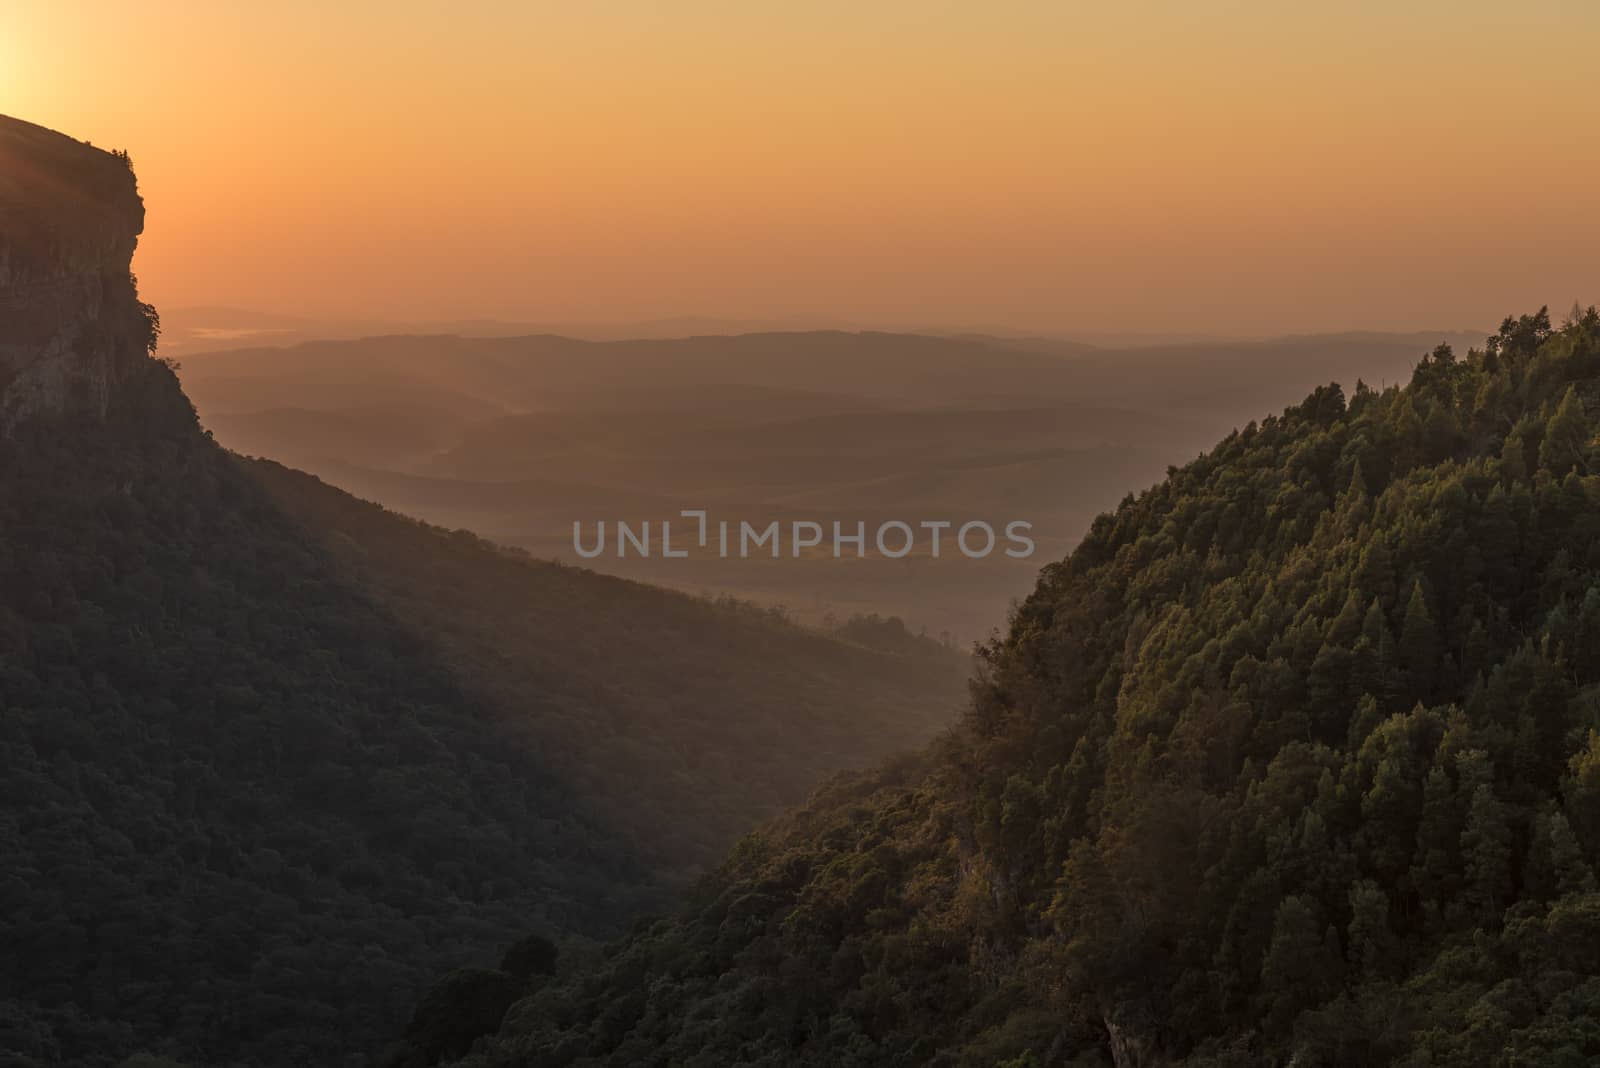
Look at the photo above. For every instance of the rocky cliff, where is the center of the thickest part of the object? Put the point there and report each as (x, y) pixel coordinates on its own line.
(71, 323)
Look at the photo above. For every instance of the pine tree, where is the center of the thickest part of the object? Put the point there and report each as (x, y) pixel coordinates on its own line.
(1407, 427)
(1556, 866)
(1486, 848)
(1513, 459)
(1377, 660)
(1355, 504)
(1346, 626)
(1441, 432)
(1565, 437)
(1326, 685)
(1296, 971)
(1498, 539)
(1438, 840)
(1376, 630)
(1367, 715)
(1371, 941)
(1419, 641)
(1581, 793)
(1375, 571)
(1357, 489)
(1572, 872)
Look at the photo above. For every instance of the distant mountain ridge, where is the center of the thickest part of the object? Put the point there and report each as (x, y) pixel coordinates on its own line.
(202, 328)
(520, 437)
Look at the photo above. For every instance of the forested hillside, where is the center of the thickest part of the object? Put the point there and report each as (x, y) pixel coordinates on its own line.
(273, 758)
(255, 804)
(248, 812)
(684, 722)
(1294, 760)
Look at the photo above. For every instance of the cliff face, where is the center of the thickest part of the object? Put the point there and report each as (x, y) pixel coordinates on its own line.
(71, 324)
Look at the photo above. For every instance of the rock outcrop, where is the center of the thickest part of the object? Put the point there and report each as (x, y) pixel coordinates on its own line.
(71, 323)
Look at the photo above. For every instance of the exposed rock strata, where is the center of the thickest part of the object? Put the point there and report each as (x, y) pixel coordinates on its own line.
(71, 323)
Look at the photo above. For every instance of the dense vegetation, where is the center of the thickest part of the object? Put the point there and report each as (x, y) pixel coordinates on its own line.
(685, 722)
(253, 806)
(246, 812)
(1294, 760)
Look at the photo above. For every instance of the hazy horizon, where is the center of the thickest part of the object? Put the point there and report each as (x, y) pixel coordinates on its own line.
(1024, 535)
(1043, 169)
(198, 329)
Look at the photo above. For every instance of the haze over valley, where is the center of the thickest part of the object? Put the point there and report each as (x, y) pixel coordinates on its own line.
(726, 535)
(519, 438)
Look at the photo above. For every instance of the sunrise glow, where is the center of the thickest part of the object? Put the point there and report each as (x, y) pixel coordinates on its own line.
(1244, 167)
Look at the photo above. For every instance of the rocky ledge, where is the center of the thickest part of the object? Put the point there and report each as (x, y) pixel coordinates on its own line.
(71, 323)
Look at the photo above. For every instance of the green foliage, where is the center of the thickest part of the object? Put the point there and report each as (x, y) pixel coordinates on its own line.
(248, 815)
(1419, 641)
(1566, 437)
(1294, 760)
(273, 760)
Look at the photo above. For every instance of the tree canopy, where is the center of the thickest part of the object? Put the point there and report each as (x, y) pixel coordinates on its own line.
(1295, 759)
(275, 760)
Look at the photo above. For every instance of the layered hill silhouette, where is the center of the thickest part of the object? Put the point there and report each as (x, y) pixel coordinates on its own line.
(517, 438)
(1295, 760)
(274, 758)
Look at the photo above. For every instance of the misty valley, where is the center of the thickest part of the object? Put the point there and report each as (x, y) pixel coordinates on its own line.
(522, 439)
(733, 536)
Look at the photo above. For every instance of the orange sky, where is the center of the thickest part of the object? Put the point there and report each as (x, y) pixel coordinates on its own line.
(1231, 167)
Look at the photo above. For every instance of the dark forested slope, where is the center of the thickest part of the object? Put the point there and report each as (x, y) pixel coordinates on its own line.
(268, 771)
(272, 759)
(685, 722)
(247, 811)
(1294, 760)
